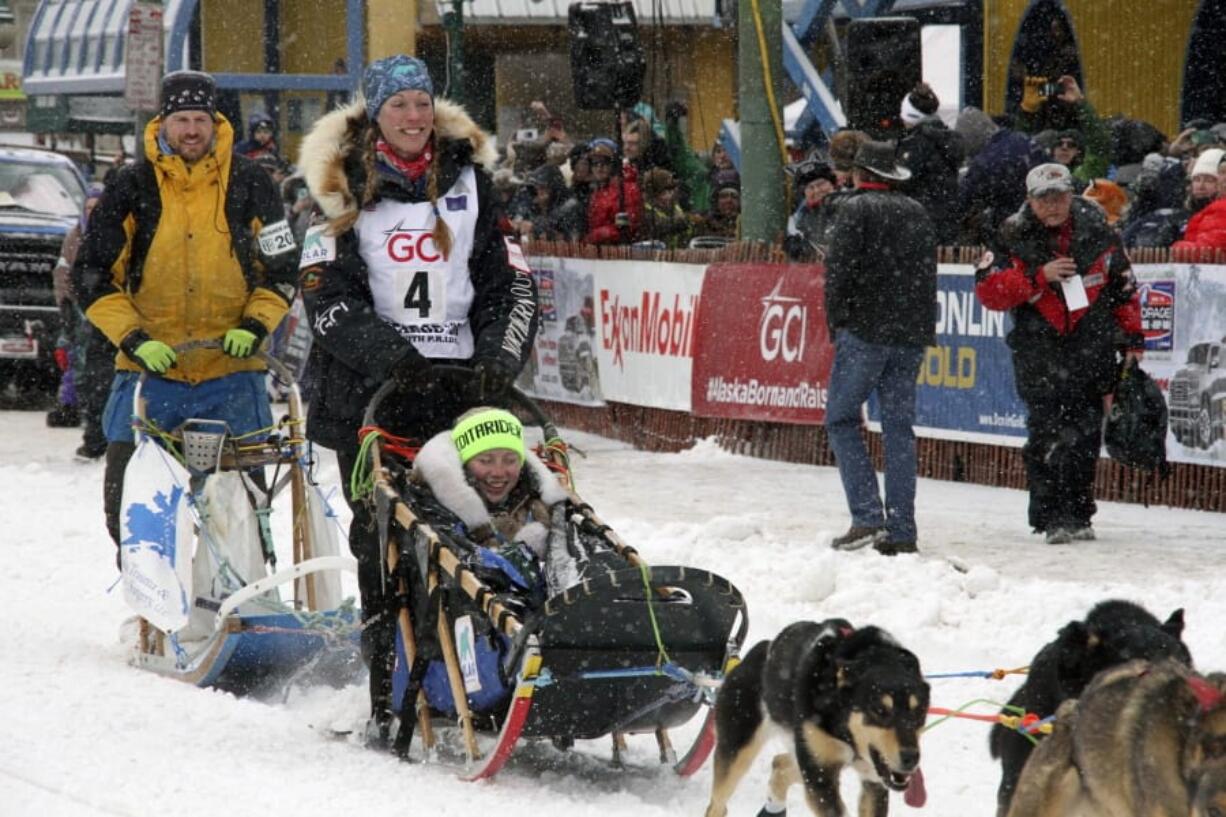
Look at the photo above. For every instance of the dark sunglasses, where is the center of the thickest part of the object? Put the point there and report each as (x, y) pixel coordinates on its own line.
(601, 160)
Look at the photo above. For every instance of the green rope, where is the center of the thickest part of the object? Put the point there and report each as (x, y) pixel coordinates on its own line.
(362, 478)
(662, 654)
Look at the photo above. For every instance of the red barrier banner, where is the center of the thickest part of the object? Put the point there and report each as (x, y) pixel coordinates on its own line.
(761, 349)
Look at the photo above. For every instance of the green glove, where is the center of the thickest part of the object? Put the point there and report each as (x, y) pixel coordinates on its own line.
(239, 343)
(155, 356)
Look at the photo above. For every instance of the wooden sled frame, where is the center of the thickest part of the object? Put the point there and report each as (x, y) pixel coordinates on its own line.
(441, 557)
(233, 632)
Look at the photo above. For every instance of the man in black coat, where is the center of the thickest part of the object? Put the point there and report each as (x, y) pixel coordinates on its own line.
(881, 295)
(1062, 273)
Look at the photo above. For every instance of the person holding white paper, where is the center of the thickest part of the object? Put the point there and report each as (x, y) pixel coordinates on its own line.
(1062, 273)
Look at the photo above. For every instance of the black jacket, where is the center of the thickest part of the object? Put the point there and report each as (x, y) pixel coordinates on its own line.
(1047, 363)
(933, 153)
(881, 273)
(355, 351)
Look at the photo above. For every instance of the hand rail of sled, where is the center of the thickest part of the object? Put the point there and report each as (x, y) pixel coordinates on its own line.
(462, 374)
(279, 370)
(283, 576)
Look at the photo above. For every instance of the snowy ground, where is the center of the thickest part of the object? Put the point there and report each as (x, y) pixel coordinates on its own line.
(87, 734)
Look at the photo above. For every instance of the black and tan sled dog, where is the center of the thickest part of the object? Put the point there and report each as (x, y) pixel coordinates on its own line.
(1113, 632)
(1144, 739)
(839, 697)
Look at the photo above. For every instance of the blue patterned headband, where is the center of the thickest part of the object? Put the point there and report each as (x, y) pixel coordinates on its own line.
(391, 75)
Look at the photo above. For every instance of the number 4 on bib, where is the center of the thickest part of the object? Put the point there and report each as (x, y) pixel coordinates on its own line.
(417, 296)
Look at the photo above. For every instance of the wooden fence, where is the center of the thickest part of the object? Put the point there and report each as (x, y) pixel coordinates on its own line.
(1188, 486)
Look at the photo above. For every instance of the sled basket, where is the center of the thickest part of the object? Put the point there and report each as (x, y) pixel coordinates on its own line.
(203, 442)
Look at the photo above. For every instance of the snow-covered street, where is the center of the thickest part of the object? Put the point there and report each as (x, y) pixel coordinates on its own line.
(87, 734)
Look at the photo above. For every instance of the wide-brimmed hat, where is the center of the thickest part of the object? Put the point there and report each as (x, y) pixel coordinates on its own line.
(880, 158)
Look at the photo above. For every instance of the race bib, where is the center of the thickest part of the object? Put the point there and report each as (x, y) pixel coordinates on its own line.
(317, 247)
(424, 294)
(276, 239)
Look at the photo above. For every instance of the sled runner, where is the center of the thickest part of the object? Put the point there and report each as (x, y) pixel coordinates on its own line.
(199, 568)
(628, 648)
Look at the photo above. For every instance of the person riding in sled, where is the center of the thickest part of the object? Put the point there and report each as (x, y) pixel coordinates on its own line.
(509, 504)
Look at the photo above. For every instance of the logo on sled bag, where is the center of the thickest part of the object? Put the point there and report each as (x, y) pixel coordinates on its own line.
(156, 538)
(466, 649)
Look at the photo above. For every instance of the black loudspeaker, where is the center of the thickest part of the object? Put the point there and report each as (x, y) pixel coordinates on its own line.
(606, 59)
(883, 65)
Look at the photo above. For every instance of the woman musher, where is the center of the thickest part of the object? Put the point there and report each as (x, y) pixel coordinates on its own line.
(410, 270)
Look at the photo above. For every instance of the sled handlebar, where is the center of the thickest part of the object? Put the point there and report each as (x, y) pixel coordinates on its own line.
(463, 374)
(279, 369)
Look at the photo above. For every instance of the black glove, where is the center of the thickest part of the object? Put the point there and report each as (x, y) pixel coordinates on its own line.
(414, 374)
(491, 380)
(674, 111)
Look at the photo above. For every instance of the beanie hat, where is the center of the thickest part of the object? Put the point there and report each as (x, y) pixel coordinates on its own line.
(188, 91)
(922, 102)
(975, 127)
(391, 75)
(488, 429)
(1207, 162)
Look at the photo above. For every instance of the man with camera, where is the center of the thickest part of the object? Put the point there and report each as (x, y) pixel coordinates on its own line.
(1061, 106)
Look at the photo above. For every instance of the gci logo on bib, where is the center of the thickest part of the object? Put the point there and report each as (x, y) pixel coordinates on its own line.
(405, 246)
(781, 331)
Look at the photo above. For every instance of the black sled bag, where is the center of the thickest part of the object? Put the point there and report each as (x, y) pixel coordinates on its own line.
(1135, 433)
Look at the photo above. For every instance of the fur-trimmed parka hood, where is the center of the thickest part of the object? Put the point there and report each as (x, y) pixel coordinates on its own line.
(438, 466)
(331, 155)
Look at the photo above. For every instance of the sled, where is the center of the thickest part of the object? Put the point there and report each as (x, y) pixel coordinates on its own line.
(634, 649)
(213, 607)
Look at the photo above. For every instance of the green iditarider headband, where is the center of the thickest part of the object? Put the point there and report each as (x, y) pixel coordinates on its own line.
(486, 431)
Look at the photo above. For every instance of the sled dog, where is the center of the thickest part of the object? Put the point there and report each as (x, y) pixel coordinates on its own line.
(1144, 739)
(840, 697)
(1113, 633)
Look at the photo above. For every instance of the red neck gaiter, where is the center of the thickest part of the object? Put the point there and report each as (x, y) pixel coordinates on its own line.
(413, 169)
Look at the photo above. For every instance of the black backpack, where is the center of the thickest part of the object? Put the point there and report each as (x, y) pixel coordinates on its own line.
(1135, 433)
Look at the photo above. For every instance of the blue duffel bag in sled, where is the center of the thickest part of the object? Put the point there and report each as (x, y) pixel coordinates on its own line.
(580, 639)
(198, 566)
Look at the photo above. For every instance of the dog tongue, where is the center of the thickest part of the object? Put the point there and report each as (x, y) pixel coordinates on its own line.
(916, 795)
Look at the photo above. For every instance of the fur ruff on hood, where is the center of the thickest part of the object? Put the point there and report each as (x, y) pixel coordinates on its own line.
(438, 466)
(335, 136)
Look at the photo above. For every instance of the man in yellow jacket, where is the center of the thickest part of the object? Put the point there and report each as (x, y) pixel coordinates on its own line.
(188, 244)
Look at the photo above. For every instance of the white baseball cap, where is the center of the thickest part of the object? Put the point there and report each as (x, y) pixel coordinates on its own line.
(1052, 177)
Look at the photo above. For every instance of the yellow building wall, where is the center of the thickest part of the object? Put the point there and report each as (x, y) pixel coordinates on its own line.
(232, 37)
(1132, 54)
(710, 81)
(312, 35)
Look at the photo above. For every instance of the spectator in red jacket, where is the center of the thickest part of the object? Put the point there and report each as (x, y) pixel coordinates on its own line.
(615, 209)
(1062, 273)
(1207, 229)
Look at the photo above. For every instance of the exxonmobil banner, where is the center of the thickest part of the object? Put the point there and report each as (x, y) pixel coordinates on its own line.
(645, 321)
(762, 351)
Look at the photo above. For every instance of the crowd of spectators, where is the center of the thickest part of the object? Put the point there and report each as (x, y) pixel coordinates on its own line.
(642, 186)
(1155, 191)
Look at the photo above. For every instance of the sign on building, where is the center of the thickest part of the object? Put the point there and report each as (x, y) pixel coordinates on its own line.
(143, 57)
